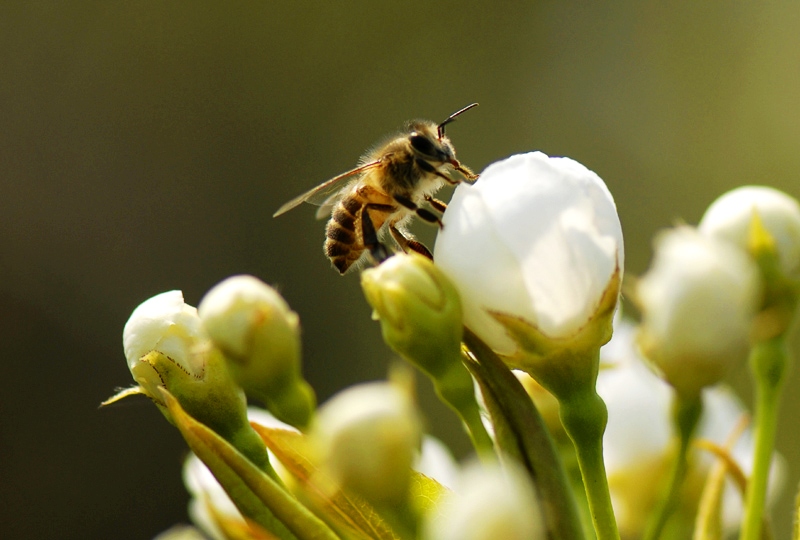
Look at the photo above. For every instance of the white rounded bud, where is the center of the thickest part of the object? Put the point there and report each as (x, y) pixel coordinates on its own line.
(368, 436)
(163, 323)
(730, 217)
(536, 238)
(697, 300)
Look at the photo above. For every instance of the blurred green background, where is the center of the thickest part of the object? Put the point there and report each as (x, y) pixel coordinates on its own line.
(144, 146)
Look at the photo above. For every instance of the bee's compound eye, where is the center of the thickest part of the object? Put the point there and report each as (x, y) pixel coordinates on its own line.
(422, 144)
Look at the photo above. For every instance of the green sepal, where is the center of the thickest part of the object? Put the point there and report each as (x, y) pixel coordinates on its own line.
(214, 399)
(564, 363)
(257, 496)
(781, 293)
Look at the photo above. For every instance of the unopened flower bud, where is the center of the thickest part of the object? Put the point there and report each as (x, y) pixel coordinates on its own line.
(419, 310)
(697, 300)
(166, 325)
(420, 314)
(166, 348)
(731, 215)
(259, 334)
(490, 502)
(536, 240)
(368, 436)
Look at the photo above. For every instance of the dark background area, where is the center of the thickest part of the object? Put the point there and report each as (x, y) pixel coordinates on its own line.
(144, 146)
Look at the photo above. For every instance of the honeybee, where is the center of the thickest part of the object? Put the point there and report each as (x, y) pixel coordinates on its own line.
(384, 191)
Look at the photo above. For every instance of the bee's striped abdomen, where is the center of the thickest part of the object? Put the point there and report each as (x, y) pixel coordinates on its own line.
(342, 245)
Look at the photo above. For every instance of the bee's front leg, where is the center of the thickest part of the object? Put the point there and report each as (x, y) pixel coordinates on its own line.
(423, 213)
(439, 206)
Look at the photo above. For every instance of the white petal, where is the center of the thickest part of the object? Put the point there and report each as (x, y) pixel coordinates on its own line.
(491, 502)
(164, 323)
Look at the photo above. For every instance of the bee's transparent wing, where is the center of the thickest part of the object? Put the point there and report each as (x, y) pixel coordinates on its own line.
(327, 205)
(325, 194)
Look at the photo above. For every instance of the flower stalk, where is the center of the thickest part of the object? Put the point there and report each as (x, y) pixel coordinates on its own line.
(584, 416)
(686, 412)
(769, 364)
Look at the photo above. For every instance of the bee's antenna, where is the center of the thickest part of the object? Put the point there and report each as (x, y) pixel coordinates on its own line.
(452, 117)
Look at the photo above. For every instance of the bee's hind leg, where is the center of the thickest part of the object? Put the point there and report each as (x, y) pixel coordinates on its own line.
(369, 236)
(409, 244)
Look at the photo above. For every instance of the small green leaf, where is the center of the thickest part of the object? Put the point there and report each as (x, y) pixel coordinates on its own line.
(425, 493)
(257, 496)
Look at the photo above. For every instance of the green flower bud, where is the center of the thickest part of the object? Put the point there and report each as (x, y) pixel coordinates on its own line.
(419, 310)
(259, 335)
(368, 436)
(420, 314)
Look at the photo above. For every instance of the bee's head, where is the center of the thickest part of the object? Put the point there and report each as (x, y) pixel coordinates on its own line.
(427, 144)
(429, 141)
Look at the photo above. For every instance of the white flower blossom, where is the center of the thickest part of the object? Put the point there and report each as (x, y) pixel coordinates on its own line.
(163, 323)
(637, 442)
(730, 216)
(535, 237)
(490, 502)
(367, 436)
(435, 461)
(697, 299)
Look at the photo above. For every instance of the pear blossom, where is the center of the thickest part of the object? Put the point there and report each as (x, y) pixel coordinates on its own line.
(730, 216)
(637, 443)
(491, 501)
(260, 337)
(535, 237)
(163, 323)
(166, 325)
(697, 300)
(241, 305)
(367, 436)
(436, 461)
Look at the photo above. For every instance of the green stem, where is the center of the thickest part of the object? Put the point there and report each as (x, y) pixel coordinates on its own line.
(455, 388)
(584, 416)
(769, 362)
(686, 414)
(796, 524)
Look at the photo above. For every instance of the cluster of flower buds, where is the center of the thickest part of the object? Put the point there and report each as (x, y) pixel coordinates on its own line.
(705, 287)
(243, 322)
(522, 296)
